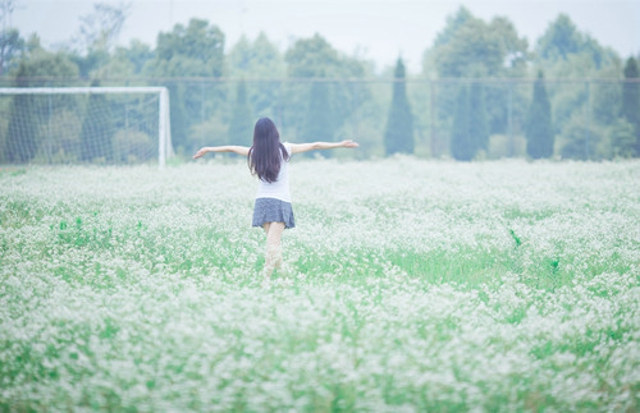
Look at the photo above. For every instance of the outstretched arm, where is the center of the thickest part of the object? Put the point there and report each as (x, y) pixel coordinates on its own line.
(240, 150)
(312, 146)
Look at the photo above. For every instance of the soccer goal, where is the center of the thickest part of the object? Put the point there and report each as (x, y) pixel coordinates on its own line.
(102, 125)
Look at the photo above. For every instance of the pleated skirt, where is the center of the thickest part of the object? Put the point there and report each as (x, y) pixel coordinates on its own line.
(272, 210)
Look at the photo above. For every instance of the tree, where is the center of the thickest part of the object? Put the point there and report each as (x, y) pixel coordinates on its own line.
(11, 46)
(567, 53)
(468, 46)
(623, 139)
(538, 129)
(101, 28)
(29, 114)
(258, 59)
(194, 50)
(10, 42)
(139, 55)
(96, 135)
(462, 147)
(631, 98)
(241, 126)
(560, 39)
(399, 132)
(314, 59)
(581, 140)
(318, 124)
(98, 33)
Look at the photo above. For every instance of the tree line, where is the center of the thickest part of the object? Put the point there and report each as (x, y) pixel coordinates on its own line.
(483, 90)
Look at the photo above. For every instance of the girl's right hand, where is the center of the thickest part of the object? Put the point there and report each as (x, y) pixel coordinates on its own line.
(349, 144)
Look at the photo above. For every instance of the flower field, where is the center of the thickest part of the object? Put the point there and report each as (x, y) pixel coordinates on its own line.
(409, 285)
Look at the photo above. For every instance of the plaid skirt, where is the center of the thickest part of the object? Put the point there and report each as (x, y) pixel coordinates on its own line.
(272, 210)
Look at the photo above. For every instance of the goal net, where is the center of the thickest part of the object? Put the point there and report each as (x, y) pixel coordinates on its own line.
(101, 125)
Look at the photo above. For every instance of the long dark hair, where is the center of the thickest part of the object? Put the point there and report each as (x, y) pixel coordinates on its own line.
(265, 155)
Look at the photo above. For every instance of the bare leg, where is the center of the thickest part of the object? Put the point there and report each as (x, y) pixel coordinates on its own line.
(273, 258)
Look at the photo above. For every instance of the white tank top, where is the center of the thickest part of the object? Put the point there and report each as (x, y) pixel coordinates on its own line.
(279, 189)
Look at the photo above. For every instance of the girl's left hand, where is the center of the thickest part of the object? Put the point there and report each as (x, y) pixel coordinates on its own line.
(200, 153)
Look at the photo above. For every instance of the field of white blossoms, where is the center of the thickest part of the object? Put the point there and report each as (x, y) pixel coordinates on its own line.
(410, 285)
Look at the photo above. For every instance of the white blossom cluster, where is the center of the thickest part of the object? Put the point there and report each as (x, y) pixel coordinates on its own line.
(409, 285)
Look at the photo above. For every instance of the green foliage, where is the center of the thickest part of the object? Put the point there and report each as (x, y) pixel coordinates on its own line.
(462, 148)
(398, 137)
(138, 54)
(134, 61)
(22, 139)
(581, 139)
(566, 53)
(11, 47)
(623, 139)
(281, 85)
(314, 58)
(318, 125)
(194, 50)
(241, 126)
(25, 130)
(260, 59)
(132, 146)
(97, 132)
(470, 131)
(211, 132)
(631, 98)
(96, 37)
(468, 46)
(539, 130)
(560, 40)
(478, 126)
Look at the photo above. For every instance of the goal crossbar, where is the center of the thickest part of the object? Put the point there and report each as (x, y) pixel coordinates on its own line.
(164, 128)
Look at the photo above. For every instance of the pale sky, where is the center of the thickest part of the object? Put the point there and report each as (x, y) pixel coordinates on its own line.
(379, 30)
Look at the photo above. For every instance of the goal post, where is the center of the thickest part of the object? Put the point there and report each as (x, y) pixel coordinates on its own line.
(85, 125)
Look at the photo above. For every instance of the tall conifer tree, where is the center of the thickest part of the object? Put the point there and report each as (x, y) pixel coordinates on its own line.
(538, 129)
(462, 145)
(478, 123)
(398, 136)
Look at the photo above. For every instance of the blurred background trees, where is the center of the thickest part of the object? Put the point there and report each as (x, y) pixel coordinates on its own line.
(398, 137)
(477, 96)
(538, 129)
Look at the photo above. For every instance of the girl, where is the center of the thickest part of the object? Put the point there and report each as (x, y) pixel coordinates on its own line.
(268, 158)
